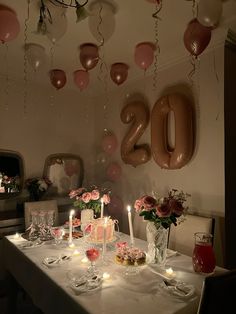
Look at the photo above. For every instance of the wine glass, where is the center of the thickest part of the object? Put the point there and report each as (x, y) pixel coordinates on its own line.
(57, 233)
(92, 254)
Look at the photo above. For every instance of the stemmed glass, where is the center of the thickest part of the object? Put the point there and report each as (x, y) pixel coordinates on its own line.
(92, 254)
(57, 233)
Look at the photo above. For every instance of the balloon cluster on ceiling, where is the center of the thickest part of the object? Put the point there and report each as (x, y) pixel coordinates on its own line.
(53, 23)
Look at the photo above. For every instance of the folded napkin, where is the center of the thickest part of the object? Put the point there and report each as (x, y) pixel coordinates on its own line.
(171, 253)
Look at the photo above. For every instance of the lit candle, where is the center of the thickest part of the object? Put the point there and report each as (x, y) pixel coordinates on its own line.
(17, 236)
(71, 245)
(104, 236)
(170, 272)
(102, 207)
(130, 226)
(76, 252)
(106, 276)
(84, 260)
(72, 212)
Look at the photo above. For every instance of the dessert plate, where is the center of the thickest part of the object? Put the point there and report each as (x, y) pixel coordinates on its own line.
(178, 288)
(85, 284)
(54, 261)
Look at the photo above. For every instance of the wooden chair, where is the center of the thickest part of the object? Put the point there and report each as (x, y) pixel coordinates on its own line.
(41, 205)
(218, 294)
(181, 237)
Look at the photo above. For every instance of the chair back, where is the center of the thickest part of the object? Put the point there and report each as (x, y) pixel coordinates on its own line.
(218, 294)
(181, 237)
(38, 206)
(139, 227)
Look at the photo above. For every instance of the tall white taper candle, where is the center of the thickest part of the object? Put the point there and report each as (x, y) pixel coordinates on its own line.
(72, 212)
(130, 226)
(102, 208)
(104, 236)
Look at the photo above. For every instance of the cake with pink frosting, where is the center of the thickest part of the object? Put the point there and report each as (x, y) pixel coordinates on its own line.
(96, 232)
(130, 256)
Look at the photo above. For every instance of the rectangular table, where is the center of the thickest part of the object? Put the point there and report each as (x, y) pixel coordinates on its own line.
(137, 294)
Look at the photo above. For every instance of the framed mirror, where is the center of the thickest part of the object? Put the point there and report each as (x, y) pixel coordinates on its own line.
(11, 174)
(65, 171)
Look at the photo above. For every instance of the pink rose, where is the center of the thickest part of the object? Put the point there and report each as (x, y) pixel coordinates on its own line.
(163, 210)
(121, 244)
(74, 193)
(176, 207)
(95, 195)
(149, 202)
(106, 199)
(86, 197)
(138, 205)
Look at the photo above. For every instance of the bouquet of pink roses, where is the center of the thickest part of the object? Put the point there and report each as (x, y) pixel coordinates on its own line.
(90, 198)
(164, 211)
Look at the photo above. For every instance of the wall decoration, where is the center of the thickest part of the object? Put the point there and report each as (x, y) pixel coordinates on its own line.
(56, 27)
(163, 155)
(196, 37)
(58, 78)
(81, 79)
(89, 56)
(144, 54)
(136, 113)
(119, 72)
(209, 12)
(9, 25)
(35, 55)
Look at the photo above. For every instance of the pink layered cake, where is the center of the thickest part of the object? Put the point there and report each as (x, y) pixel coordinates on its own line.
(130, 256)
(97, 230)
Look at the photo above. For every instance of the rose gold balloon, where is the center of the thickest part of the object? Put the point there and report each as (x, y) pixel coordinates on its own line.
(182, 152)
(5, 8)
(58, 78)
(196, 37)
(81, 79)
(89, 56)
(9, 25)
(144, 54)
(136, 113)
(119, 73)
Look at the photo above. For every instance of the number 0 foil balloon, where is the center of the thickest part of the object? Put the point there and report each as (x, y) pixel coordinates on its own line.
(136, 113)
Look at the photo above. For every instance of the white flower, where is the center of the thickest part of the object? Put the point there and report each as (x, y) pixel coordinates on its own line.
(42, 185)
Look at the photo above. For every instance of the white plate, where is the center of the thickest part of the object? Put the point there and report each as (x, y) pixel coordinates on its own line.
(178, 288)
(113, 240)
(31, 244)
(55, 261)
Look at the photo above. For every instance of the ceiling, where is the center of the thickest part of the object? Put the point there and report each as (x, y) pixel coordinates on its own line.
(133, 24)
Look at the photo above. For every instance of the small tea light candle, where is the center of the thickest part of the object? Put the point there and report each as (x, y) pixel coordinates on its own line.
(170, 272)
(84, 260)
(106, 276)
(71, 245)
(17, 236)
(76, 252)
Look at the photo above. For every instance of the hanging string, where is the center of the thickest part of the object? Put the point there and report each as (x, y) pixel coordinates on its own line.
(218, 83)
(52, 53)
(157, 46)
(103, 69)
(25, 99)
(7, 78)
(194, 8)
(192, 60)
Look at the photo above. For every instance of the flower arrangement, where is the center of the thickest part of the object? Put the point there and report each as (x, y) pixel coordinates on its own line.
(37, 187)
(162, 211)
(90, 198)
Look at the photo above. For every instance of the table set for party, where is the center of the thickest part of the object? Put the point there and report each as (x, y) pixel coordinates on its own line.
(88, 266)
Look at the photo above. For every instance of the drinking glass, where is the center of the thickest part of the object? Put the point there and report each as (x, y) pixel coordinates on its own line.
(34, 232)
(50, 222)
(203, 254)
(57, 233)
(42, 225)
(92, 254)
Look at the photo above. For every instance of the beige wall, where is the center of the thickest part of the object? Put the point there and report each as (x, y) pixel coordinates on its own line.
(203, 176)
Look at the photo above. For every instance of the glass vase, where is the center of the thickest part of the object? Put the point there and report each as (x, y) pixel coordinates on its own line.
(157, 238)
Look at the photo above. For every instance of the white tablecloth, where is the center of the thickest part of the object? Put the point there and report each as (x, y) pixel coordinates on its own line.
(137, 294)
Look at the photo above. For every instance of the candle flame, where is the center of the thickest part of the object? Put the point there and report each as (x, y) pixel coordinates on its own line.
(72, 212)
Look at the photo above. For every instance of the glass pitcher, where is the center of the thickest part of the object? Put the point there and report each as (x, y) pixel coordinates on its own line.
(203, 253)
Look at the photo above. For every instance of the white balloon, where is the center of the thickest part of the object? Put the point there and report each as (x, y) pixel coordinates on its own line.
(209, 12)
(35, 55)
(102, 29)
(57, 28)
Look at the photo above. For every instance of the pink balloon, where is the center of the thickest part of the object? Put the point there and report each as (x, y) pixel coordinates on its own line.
(119, 72)
(114, 171)
(109, 143)
(81, 79)
(89, 56)
(58, 78)
(144, 54)
(9, 25)
(116, 206)
(196, 37)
